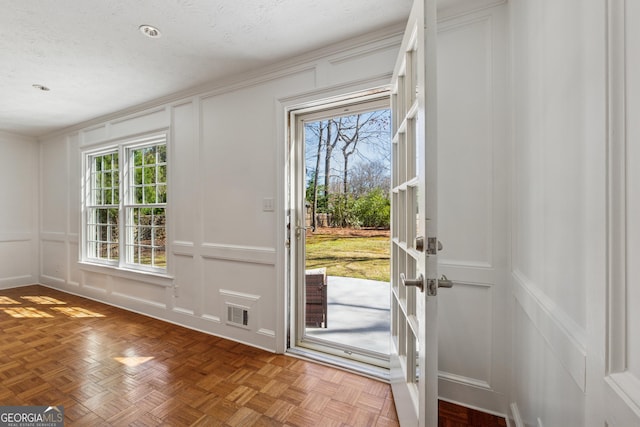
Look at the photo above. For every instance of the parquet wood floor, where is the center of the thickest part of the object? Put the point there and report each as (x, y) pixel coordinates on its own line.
(452, 415)
(108, 366)
(112, 367)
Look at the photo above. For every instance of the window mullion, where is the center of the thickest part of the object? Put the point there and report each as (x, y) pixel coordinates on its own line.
(122, 211)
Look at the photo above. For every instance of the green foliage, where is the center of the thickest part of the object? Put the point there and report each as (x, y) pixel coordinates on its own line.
(373, 209)
(150, 174)
(322, 200)
(341, 210)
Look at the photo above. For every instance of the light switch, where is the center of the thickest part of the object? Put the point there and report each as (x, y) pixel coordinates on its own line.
(267, 204)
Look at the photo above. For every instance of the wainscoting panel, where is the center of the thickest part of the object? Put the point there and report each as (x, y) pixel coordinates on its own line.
(19, 270)
(73, 182)
(547, 373)
(95, 284)
(54, 259)
(186, 285)
(140, 291)
(73, 254)
(378, 59)
(465, 338)
(148, 121)
(241, 278)
(183, 151)
(53, 170)
(465, 153)
(94, 134)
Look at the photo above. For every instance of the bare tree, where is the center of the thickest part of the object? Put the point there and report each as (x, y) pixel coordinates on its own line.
(332, 140)
(360, 136)
(349, 146)
(367, 129)
(316, 173)
(366, 176)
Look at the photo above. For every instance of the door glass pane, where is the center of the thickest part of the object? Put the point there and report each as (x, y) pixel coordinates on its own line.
(412, 208)
(394, 321)
(402, 107)
(402, 334)
(412, 167)
(396, 175)
(402, 263)
(412, 346)
(395, 217)
(402, 217)
(411, 290)
(394, 108)
(402, 157)
(417, 366)
(410, 93)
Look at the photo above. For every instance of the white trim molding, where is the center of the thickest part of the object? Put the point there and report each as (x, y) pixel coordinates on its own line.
(565, 338)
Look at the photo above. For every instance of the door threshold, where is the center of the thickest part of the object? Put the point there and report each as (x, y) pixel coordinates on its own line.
(360, 368)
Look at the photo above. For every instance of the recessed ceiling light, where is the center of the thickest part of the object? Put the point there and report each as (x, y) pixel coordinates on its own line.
(41, 87)
(149, 31)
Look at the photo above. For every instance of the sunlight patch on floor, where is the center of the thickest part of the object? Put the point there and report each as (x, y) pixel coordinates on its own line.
(43, 300)
(132, 361)
(77, 312)
(25, 312)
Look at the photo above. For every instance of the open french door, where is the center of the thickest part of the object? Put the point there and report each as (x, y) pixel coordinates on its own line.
(414, 246)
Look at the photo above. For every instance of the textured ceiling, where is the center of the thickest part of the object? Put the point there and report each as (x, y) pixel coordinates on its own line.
(94, 59)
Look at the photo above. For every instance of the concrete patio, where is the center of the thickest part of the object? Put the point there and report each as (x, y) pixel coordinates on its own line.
(358, 314)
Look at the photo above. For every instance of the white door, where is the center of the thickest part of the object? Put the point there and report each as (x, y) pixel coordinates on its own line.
(414, 246)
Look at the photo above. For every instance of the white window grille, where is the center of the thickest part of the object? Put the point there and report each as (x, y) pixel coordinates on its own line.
(126, 205)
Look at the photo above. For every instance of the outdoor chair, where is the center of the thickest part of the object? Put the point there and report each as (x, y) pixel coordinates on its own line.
(316, 298)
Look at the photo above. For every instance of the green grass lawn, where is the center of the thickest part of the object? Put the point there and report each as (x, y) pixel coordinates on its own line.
(350, 255)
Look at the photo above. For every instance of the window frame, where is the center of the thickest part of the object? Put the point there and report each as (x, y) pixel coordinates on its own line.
(124, 149)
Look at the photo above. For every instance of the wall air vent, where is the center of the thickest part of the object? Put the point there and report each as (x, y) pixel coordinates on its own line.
(237, 316)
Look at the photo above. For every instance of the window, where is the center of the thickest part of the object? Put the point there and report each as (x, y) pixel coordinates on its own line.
(103, 207)
(126, 205)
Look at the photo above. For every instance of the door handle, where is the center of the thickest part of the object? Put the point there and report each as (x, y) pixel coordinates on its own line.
(418, 282)
(443, 282)
(434, 284)
(433, 245)
(300, 230)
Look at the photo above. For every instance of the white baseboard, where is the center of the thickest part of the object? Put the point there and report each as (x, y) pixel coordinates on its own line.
(515, 416)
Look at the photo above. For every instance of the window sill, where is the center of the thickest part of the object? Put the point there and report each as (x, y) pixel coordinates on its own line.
(159, 279)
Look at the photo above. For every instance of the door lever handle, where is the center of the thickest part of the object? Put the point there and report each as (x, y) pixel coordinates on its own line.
(443, 282)
(418, 283)
(300, 230)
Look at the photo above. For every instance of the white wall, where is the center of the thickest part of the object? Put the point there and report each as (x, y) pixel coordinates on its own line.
(18, 210)
(226, 154)
(557, 209)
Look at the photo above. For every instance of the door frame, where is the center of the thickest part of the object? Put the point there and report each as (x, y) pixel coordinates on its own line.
(364, 92)
(614, 382)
